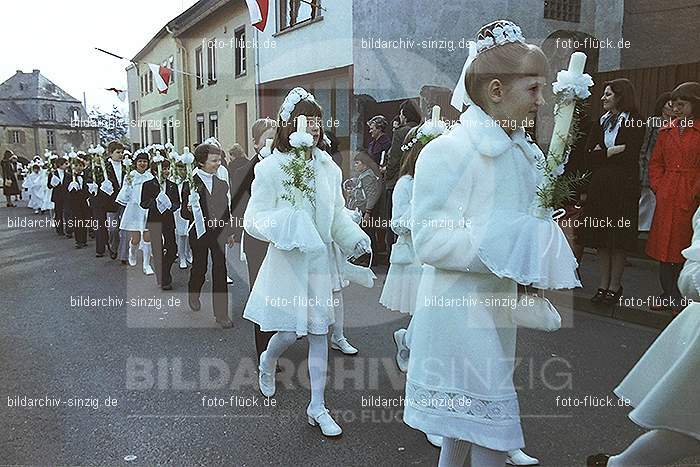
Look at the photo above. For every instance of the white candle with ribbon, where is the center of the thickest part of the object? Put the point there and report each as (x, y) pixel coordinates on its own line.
(563, 115)
(436, 113)
(302, 124)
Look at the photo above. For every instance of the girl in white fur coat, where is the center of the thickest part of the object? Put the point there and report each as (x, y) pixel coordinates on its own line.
(462, 336)
(307, 226)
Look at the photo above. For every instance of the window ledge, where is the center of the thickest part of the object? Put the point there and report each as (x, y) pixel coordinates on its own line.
(241, 75)
(298, 26)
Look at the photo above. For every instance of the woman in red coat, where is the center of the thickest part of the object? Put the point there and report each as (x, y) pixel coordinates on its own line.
(674, 176)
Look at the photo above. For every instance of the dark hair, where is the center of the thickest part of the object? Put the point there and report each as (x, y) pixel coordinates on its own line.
(333, 147)
(142, 155)
(690, 92)
(284, 129)
(661, 101)
(8, 154)
(261, 126)
(408, 166)
(59, 161)
(201, 153)
(113, 146)
(380, 122)
(410, 111)
(624, 94)
(154, 166)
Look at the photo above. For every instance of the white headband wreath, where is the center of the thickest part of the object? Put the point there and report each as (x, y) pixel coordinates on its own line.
(295, 96)
(499, 33)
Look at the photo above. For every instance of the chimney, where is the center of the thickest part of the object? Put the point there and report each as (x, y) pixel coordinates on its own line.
(35, 71)
(19, 72)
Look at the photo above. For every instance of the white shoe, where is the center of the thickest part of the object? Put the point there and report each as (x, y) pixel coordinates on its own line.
(402, 352)
(229, 280)
(147, 269)
(518, 457)
(133, 251)
(435, 440)
(326, 422)
(266, 380)
(343, 345)
(183, 263)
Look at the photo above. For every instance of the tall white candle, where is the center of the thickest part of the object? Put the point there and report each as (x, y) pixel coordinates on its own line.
(268, 144)
(436, 113)
(301, 124)
(563, 115)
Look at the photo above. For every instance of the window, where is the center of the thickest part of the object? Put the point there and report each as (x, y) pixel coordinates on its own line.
(242, 125)
(171, 65)
(50, 139)
(17, 136)
(292, 12)
(199, 67)
(240, 51)
(133, 110)
(563, 10)
(171, 130)
(200, 128)
(214, 125)
(150, 81)
(211, 61)
(49, 112)
(155, 136)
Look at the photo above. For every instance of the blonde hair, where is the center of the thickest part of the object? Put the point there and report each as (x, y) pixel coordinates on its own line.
(504, 63)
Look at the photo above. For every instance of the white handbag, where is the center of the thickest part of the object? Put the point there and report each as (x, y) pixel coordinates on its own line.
(535, 312)
(401, 253)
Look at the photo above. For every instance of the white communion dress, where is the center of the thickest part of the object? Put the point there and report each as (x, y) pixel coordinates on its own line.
(663, 386)
(462, 336)
(401, 284)
(134, 217)
(294, 287)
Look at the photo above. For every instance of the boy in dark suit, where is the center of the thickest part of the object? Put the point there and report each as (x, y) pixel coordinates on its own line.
(209, 233)
(58, 182)
(78, 202)
(162, 199)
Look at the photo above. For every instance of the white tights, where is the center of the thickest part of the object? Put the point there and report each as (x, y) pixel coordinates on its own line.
(318, 362)
(454, 453)
(339, 312)
(657, 447)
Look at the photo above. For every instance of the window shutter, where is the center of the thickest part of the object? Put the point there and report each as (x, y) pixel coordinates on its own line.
(22, 138)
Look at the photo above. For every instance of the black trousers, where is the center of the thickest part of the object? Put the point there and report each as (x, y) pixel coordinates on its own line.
(164, 249)
(80, 222)
(668, 276)
(390, 236)
(255, 251)
(61, 215)
(101, 233)
(213, 242)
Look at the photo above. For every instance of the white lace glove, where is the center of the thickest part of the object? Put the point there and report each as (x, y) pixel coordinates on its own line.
(92, 188)
(163, 203)
(107, 187)
(73, 186)
(193, 198)
(362, 247)
(55, 181)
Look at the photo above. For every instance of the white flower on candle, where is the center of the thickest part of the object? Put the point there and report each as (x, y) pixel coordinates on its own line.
(572, 85)
(301, 140)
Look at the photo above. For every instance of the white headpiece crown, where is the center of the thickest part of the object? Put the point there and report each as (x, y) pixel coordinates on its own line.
(295, 96)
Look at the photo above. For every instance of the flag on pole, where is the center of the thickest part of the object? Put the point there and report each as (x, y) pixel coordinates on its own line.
(121, 94)
(258, 10)
(161, 76)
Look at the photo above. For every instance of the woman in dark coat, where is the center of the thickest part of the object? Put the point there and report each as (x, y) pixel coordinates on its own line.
(612, 199)
(9, 175)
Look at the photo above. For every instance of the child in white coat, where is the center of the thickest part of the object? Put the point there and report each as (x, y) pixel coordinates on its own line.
(297, 206)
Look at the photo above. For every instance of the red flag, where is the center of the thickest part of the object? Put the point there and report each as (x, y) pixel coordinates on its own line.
(161, 76)
(258, 10)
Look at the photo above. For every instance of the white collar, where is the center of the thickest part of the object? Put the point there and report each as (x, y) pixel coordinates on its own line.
(492, 140)
(202, 174)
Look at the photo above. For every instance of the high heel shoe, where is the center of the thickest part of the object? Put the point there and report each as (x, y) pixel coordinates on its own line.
(325, 422)
(611, 297)
(599, 296)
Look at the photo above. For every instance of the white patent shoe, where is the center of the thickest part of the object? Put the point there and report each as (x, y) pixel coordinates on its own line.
(133, 251)
(435, 440)
(324, 420)
(518, 457)
(266, 380)
(402, 352)
(344, 346)
(183, 263)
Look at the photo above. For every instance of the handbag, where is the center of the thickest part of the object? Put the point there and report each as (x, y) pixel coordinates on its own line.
(401, 253)
(535, 312)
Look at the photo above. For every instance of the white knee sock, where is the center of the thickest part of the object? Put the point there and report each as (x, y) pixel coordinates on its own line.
(275, 348)
(318, 363)
(485, 457)
(453, 452)
(657, 447)
(339, 313)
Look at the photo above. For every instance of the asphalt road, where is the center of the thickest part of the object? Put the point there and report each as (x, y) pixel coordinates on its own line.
(150, 379)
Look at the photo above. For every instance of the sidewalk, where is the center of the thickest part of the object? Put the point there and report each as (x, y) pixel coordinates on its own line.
(640, 282)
